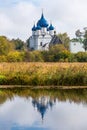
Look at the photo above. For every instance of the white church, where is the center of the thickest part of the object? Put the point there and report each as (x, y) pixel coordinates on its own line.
(43, 34)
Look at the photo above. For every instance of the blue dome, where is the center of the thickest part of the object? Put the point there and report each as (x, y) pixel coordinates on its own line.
(38, 27)
(42, 22)
(51, 27)
(34, 28)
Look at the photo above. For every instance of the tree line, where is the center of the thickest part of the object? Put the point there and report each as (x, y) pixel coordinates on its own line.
(16, 50)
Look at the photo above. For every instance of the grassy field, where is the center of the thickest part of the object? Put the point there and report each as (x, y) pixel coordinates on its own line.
(43, 74)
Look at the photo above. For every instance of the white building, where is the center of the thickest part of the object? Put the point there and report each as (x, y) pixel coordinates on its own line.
(76, 47)
(42, 34)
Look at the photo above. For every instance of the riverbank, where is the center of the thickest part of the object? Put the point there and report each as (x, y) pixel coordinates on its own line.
(41, 87)
(44, 74)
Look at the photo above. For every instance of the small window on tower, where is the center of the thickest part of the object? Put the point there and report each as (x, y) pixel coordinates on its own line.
(40, 43)
(74, 44)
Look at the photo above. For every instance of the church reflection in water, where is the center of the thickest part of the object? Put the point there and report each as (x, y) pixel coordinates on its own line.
(42, 104)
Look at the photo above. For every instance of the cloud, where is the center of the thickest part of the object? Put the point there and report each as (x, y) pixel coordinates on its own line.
(19, 113)
(17, 18)
(5, 23)
(67, 15)
(67, 116)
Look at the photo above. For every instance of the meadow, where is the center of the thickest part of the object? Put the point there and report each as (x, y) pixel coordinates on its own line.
(43, 74)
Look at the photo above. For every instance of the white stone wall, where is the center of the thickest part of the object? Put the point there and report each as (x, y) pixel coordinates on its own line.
(44, 40)
(38, 42)
(33, 42)
(51, 32)
(76, 47)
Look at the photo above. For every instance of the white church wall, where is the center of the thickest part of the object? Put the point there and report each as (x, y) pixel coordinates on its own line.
(51, 32)
(33, 43)
(44, 41)
(44, 31)
(33, 33)
(76, 47)
(38, 32)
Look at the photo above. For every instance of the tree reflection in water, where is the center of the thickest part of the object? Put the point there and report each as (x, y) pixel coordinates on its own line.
(42, 100)
(19, 108)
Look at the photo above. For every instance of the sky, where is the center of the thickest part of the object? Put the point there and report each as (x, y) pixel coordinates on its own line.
(18, 16)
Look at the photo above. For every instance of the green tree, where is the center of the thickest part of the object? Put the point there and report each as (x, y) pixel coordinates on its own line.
(85, 41)
(3, 58)
(65, 39)
(58, 52)
(82, 38)
(28, 43)
(33, 56)
(15, 56)
(19, 44)
(5, 45)
(81, 56)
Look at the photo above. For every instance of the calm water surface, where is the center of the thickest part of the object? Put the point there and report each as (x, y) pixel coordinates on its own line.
(55, 110)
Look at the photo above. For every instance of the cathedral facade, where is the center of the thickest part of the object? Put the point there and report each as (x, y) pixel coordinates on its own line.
(42, 35)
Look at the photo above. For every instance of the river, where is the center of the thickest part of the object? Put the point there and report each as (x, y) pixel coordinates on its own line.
(24, 109)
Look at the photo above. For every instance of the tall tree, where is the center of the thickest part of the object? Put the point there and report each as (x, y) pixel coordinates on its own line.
(19, 44)
(85, 41)
(5, 45)
(65, 39)
(82, 37)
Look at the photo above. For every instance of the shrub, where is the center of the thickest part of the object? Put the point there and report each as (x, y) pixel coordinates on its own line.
(2, 79)
(15, 56)
(3, 58)
(81, 56)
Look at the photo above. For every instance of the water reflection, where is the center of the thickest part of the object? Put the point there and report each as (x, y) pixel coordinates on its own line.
(42, 104)
(43, 110)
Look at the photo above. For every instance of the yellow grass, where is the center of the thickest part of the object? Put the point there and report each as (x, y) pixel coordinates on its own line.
(37, 73)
